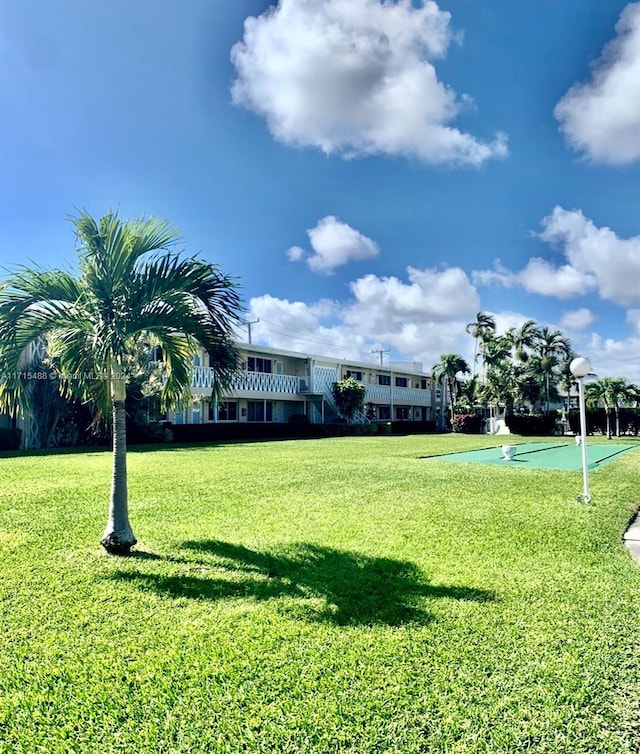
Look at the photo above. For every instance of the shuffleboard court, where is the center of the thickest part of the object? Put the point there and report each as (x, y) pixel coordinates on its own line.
(537, 455)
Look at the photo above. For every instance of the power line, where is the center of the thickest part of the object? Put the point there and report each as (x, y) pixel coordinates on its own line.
(380, 351)
(248, 325)
(312, 340)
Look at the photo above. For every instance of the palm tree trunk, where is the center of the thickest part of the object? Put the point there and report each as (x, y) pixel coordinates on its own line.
(451, 400)
(118, 537)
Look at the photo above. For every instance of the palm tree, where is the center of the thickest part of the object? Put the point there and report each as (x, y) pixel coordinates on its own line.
(619, 392)
(551, 349)
(523, 339)
(446, 370)
(130, 285)
(484, 325)
(605, 392)
(633, 394)
(468, 392)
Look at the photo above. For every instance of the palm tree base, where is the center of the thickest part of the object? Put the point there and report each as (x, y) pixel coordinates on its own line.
(116, 546)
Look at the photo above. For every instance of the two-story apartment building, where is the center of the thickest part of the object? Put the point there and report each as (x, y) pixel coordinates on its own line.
(274, 384)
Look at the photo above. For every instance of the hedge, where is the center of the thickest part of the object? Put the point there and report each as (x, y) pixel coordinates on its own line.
(472, 424)
(10, 438)
(185, 433)
(532, 424)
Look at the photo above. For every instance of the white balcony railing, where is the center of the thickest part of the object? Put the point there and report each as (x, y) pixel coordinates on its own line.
(387, 394)
(284, 384)
(202, 377)
(263, 382)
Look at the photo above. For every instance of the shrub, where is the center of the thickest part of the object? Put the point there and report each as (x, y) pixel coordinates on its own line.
(10, 438)
(298, 419)
(532, 424)
(470, 424)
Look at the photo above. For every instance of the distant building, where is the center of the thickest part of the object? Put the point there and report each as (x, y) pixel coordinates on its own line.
(273, 384)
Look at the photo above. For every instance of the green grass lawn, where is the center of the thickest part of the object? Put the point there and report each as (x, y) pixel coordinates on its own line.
(339, 595)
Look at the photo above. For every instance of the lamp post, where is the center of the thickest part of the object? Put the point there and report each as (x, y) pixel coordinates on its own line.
(580, 368)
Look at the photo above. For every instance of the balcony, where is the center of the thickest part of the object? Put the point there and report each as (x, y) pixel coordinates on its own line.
(407, 395)
(263, 382)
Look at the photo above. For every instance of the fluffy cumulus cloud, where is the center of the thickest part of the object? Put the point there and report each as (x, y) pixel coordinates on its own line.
(356, 77)
(577, 319)
(612, 262)
(602, 116)
(334, 243)
(564, 281)
(615, 358)
(596, 258)
(308, 328)
(538, 276)
(633, 320)
(430, 295)
(419, 319)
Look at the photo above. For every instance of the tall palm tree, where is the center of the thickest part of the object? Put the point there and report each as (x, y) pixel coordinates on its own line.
(523, 339)
(551, 349)
(506, 384)
(446, 370)
(608, 392)
(619, 391)
(484, 325)
(130, 285)
(633, 394)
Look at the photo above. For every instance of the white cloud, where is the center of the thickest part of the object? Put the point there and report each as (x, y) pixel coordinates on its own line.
(419, 319)
(309, 328)
(356, 77)
(602, 116)
(633, 319)
(499, 275)
(612, 262)
(596, 259)
(430, 296)
(539, 276)
(334, 243)
(295, 254)
(615, 358)
(577, 319)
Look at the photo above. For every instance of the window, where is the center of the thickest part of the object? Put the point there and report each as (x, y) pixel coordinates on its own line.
(256, 364)
(227, 411)
(356, 375)
(384, 379)
(401, 382)
(402, 413)
(259, 411)
(384, 412)
(423, 384)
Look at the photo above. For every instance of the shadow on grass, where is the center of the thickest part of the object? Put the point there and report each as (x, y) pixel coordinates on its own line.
(322, 583)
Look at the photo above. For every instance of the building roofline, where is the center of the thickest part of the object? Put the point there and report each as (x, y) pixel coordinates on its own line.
(361, 365)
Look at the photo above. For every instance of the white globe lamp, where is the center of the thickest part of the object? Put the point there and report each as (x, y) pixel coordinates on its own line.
(580, 368)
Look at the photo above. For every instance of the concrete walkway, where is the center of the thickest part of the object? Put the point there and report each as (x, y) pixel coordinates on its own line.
(631, 538)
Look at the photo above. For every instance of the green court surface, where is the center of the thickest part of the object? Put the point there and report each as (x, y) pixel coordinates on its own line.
(538, 455)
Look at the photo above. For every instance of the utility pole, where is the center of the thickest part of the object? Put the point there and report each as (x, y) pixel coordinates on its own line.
(248, 324)
(379, 351)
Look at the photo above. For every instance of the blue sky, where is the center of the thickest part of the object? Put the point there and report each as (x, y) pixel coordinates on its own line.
(373, 174)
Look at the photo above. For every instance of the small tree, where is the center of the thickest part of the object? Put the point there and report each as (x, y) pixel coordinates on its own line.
(348, 395)
(129, 285)
(446, 371)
